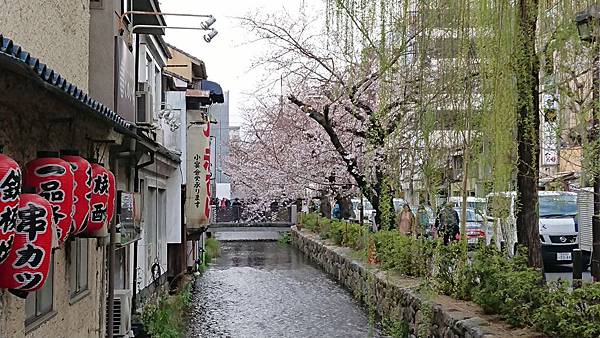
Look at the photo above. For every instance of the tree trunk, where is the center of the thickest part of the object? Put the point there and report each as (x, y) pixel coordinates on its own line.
(527, 74)
(382, 201)
(463, 209)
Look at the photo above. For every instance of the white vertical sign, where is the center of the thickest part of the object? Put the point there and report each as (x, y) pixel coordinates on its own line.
(197, 204)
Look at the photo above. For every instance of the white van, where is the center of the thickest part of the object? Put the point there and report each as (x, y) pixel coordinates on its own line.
(557, 223)
(476, 203)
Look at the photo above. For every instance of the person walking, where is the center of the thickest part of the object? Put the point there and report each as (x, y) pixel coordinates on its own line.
(447, 224)
(237, 206)
(337, 211)
(423, 227)
(405, 221)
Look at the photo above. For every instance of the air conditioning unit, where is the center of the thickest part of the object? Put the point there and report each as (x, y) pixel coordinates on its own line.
(144, 102)
(122, 314)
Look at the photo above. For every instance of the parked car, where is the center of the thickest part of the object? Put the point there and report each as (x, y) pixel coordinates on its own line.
(475, 226)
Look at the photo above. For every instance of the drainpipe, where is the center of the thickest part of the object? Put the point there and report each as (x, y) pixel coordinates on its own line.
(136, 188)
(117, 152)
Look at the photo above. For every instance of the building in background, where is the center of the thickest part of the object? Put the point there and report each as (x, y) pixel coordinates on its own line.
(219, 148)
(191, 96)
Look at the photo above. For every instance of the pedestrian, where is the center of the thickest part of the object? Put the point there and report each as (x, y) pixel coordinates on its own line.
(227, 203)
(337, 211)
(447, 224)
(223, 205)
(237, 205)
(405, 221)
(423, 227)
(346, 208)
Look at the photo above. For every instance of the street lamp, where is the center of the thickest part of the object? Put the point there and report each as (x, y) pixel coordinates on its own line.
(208, 37)
(588, 24)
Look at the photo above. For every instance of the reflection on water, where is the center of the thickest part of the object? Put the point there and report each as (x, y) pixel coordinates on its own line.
(263, 289)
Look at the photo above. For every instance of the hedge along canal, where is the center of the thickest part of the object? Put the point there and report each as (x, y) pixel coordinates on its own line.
(399, 299)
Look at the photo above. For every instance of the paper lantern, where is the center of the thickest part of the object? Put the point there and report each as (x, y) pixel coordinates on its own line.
(52, 178)
(82, 192)
(112, 192)
(27, 265)
(99, 199)
(10, 189)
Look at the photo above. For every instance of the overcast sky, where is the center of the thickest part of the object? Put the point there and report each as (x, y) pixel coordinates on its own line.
(229, 56)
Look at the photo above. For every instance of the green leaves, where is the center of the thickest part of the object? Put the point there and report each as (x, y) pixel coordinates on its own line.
(166, 318)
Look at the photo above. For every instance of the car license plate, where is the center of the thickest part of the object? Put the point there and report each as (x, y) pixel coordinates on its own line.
(472, 241)
(563, 256)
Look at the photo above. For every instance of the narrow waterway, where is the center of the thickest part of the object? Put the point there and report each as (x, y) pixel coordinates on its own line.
(265, 289)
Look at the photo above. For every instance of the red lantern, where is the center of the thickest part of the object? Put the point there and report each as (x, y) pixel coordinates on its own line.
(52, 179)
(28, 263)
(10, 189)
(112, 192)
(99, 200)
(82, 174)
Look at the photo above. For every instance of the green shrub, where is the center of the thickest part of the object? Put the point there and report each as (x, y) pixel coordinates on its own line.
(310, 221)
(500, 284)
(213, 249)
(285, 238)
(166, 319)
(404, 254)
(568, 313)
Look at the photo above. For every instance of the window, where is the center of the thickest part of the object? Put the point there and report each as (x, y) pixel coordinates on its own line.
(40, 303)
(78, 280)
(121, 270)
(96, 4)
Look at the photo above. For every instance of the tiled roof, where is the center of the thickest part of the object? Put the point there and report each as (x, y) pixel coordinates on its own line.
(47, 74)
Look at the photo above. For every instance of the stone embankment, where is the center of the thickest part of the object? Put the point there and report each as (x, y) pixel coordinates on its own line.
(398, 298)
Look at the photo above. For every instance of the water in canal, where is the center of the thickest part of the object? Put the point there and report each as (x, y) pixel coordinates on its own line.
(265, 289)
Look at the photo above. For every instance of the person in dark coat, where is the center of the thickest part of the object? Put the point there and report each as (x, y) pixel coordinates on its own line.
(237, 209)
(447, 224)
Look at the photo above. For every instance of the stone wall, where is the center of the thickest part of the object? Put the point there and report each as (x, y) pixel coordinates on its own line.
(398, 298)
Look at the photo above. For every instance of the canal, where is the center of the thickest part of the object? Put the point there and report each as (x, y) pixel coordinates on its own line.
(266, 289)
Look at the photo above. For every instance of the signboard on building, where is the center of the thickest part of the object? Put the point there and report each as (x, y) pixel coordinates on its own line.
(549, 151)
(125, 80)
(129, 219)
(197, 203)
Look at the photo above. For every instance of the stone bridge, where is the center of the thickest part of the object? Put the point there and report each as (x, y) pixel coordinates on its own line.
(262, 231)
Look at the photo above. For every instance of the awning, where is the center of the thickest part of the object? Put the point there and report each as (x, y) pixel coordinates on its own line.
(154, 20)
(216, 93)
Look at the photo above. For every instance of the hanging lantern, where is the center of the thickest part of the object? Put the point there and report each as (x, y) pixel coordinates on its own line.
(10, 189)
(52, 179)
(82, 192)
(27, 265)
(99, 200)
(112, 192)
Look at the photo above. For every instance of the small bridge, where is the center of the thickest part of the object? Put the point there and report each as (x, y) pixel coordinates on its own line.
(265, 231)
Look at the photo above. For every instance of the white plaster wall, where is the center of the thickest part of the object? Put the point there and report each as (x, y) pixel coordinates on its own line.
(173, 231)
